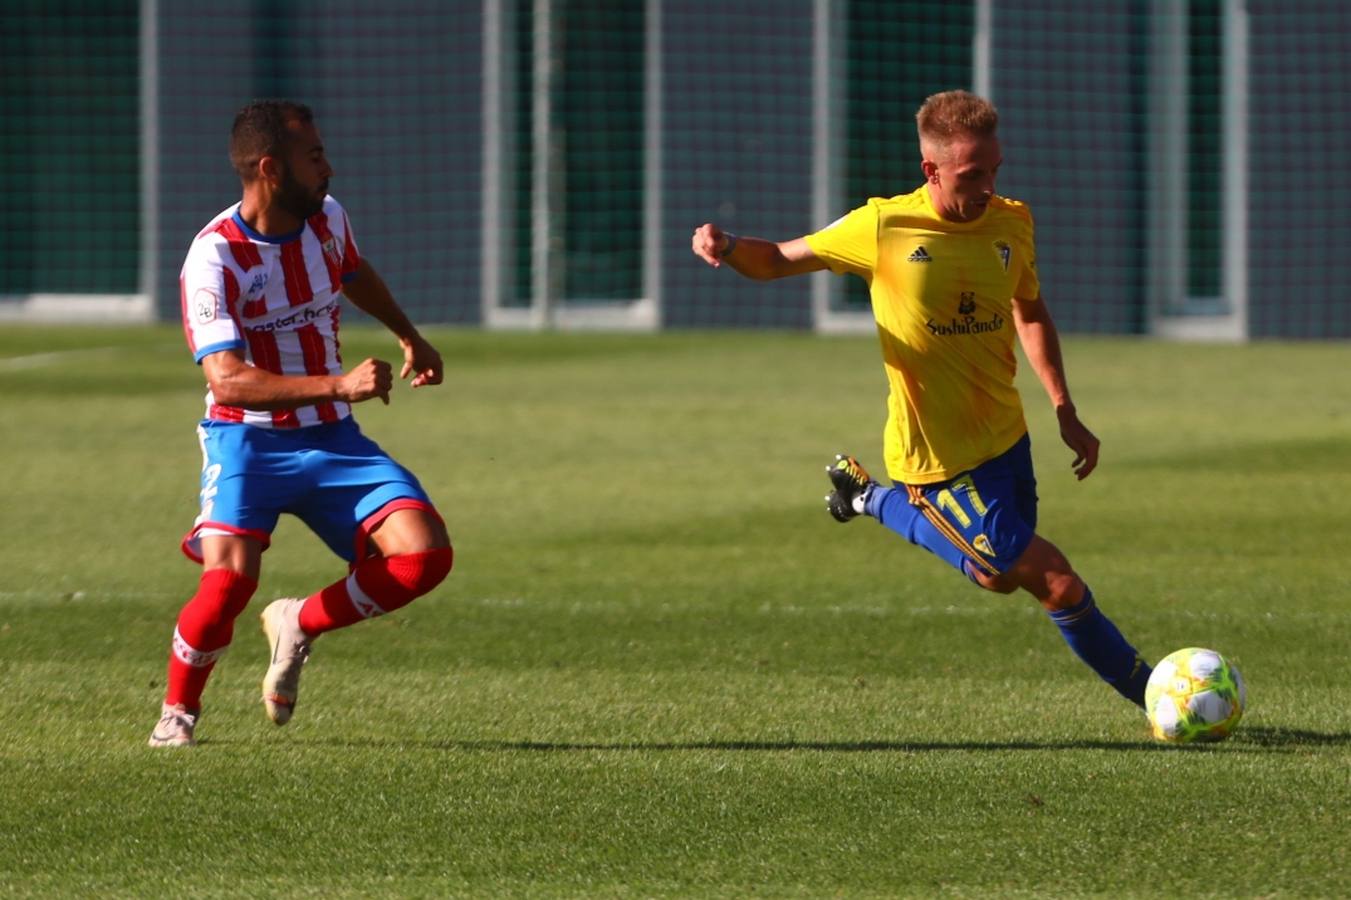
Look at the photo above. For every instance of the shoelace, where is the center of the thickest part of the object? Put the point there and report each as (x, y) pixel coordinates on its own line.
(175, 719)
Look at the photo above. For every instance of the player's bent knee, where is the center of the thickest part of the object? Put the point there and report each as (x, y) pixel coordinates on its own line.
(1044, 572)
(1063, 590)
(1003, 583)
(441, 562)
(419, 573)
(407, 531)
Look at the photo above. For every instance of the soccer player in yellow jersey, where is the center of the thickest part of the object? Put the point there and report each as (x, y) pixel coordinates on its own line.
(951, 269)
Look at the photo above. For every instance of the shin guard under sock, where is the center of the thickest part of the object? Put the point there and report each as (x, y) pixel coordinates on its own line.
(205, 627)
(375, 586)
(1095, 640)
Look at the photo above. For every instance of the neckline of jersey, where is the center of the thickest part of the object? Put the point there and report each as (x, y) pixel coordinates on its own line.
(929, 204)
(265, 238)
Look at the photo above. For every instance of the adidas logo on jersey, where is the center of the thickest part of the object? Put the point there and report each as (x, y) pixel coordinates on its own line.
(920, 255)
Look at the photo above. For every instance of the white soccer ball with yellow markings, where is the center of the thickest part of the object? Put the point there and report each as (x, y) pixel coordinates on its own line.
(1194, 694)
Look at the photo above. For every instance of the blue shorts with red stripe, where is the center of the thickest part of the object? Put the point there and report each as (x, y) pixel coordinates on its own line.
(331, 476)
(980, 521)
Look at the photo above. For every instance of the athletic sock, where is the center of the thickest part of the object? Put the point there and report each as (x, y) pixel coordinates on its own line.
(375, 586)
(205, 628)
(874, 500)
(1095, 640)
(892, 508)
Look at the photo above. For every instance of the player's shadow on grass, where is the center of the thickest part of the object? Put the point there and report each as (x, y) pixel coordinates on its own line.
(1290, 738)
(1271, 740)
(1262, 738)
(790, 746)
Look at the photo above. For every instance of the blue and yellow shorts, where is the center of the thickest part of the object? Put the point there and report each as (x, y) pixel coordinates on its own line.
(980, 521)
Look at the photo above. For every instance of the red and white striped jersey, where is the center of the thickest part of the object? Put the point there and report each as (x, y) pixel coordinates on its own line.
(274, 298)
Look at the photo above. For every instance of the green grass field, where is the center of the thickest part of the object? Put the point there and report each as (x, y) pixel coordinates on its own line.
(659, 668)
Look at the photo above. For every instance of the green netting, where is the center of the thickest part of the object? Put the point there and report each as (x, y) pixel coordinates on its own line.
(1136, 215)
(396, 90)
(890, 68)
(600, 121)
(69, 147)
(595, 181)
(1204, 147)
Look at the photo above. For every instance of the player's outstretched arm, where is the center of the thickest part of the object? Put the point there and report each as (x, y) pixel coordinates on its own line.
(753, 257)
(1041, 343)
(369, 292)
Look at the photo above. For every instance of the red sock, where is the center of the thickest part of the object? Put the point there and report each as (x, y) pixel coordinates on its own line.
(205, 627)
(376, 586)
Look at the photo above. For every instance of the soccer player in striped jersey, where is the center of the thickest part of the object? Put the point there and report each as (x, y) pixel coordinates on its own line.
(261, 291)
(952, 274)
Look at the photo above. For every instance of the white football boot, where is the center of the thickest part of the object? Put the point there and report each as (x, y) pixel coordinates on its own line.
(174, 728)
(290, 648)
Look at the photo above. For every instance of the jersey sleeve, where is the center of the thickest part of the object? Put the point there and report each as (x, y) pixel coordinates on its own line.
(849, 244)
(209, 290)
(1029, 285)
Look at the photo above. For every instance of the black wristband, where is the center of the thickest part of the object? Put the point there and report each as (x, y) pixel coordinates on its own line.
(731, 245)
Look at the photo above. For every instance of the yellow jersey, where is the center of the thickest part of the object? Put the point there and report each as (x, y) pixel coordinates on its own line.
(942, 294)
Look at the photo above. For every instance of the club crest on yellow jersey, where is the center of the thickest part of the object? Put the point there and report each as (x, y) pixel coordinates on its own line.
(1005, 253)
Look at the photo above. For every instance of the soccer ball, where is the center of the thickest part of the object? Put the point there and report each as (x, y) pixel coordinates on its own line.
(1194, 694)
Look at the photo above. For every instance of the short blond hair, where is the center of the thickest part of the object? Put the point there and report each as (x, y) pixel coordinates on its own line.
(954, 114)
